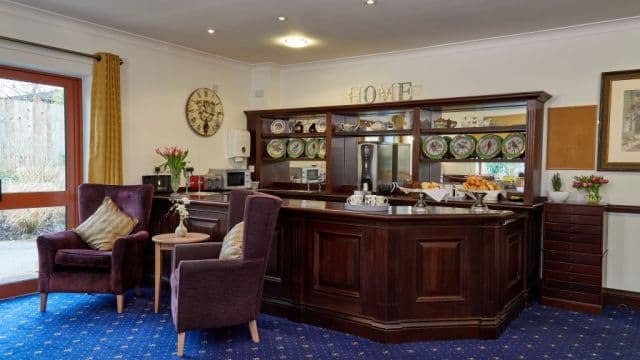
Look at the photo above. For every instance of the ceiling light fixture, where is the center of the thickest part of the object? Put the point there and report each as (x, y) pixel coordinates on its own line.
(211, 31)
(370, 2)
(282, 18)
(296, 42)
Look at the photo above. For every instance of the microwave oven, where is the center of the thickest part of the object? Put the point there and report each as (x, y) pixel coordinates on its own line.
(307, 175)
(232, 178)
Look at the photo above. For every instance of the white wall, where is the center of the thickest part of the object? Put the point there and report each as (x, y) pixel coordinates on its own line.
(156, 80)
(566, 63)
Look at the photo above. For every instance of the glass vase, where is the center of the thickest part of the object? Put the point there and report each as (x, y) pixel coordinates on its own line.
(175, 181)
(181, 230)
(593, 196)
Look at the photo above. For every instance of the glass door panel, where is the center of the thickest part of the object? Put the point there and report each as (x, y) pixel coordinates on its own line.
(19, 229)
(32, 137)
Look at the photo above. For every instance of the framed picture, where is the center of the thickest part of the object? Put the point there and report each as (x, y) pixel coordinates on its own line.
(619, 139)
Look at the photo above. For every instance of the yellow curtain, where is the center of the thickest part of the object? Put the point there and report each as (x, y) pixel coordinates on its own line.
(105, 141)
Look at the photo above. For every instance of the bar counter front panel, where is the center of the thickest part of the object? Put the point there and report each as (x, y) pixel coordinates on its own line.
(392, 277)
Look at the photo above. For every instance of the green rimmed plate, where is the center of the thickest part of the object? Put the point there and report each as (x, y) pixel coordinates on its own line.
(462, 146)
(311, 148)
(322, 148)
(489, 146)
(276, 148)
(513, 145)
(435, 146)
(295, 148)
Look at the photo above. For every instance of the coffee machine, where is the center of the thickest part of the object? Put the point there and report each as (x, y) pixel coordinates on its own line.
(383, 164)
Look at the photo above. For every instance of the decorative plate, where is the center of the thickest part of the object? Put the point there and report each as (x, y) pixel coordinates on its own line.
(322, 148)
(321, 125)
(312, 147)
(276, 148)
(435, 146)
(295, 148)
(278, 126)
(462, 146)
(488, 146)
(514, 145)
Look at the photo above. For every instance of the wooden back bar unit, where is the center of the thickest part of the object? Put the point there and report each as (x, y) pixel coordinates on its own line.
(392, 277)
(575, 249)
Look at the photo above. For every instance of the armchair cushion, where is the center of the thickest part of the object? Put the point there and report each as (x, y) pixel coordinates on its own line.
(107, 224)
(232, 243)
(83, 258)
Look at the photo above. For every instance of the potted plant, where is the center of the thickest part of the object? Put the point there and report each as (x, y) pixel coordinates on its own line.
(557, 195)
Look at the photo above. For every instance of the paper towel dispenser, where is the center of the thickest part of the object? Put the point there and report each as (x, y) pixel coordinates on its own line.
(238, 144)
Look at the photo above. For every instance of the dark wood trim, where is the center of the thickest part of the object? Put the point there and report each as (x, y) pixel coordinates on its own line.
(18, 288)
(614, 297)
(626, 209)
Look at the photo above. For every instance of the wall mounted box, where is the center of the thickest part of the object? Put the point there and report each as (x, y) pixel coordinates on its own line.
(238, 144)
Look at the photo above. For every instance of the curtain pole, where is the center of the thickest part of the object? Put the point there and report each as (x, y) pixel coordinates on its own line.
(49, 47)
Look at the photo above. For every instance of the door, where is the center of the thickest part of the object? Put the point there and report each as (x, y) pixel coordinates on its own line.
(40, 168)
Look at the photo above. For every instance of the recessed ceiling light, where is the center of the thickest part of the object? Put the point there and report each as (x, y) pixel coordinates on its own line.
(282, 18)
(211, 31)
(370, 2)
(296, 42)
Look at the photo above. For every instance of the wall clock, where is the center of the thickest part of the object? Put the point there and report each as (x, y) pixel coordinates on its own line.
(204, 111)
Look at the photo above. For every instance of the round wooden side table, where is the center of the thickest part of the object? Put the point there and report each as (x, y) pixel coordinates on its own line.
(166, 242)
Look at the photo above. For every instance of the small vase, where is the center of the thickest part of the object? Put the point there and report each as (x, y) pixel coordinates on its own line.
(593, 196)
(175, 181)
(181, 230)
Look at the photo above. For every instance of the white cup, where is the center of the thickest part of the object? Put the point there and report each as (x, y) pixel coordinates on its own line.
(370, 200)
(381, 200)
(355, 200)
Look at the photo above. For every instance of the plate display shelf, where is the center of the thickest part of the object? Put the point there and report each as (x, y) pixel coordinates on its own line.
(341, 145)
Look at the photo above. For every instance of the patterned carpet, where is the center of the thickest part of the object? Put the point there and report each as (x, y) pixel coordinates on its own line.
(80, 326)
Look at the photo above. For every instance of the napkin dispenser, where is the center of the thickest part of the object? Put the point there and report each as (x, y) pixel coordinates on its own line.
(238, 144)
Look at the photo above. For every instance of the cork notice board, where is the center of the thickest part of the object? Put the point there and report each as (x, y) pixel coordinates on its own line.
(571, 138)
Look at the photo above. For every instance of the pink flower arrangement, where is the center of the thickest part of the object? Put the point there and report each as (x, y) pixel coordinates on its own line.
(174, 157)
(589, 182)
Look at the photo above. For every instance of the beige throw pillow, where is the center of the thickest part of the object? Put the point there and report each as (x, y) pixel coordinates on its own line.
(107, 224)
(232, 243)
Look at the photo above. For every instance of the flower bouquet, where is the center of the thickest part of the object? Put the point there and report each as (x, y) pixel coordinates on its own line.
(175, 162)
(591, 184)
(180, 207)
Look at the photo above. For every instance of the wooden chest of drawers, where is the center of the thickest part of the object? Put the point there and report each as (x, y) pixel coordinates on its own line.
(574, 251)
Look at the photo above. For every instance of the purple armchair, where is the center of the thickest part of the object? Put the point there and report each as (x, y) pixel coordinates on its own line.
(68, 264)
(207, 292)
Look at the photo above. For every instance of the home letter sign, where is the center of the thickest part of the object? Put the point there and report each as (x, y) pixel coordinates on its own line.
(370, 94)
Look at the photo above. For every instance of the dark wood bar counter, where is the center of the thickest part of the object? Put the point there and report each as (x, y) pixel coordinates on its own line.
(392, 277)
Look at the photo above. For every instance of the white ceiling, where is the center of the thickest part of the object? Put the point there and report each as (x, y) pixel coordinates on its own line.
(247, 30)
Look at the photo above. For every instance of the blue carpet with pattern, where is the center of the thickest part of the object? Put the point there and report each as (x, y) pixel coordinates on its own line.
(81, 326)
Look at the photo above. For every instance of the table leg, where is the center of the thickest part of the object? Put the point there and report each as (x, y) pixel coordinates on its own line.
(156, 280)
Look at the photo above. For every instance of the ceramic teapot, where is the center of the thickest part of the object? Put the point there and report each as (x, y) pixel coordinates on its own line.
(441, 123)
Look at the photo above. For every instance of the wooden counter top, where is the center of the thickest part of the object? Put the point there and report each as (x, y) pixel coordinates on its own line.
(337, 208)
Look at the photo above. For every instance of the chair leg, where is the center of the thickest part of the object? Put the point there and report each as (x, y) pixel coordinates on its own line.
(253, 329)
(181, 343)
(138, 291)
(120, 302)
(43, 302)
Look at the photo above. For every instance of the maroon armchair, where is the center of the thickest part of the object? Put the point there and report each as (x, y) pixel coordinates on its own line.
(207, 292)
(68, 264)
